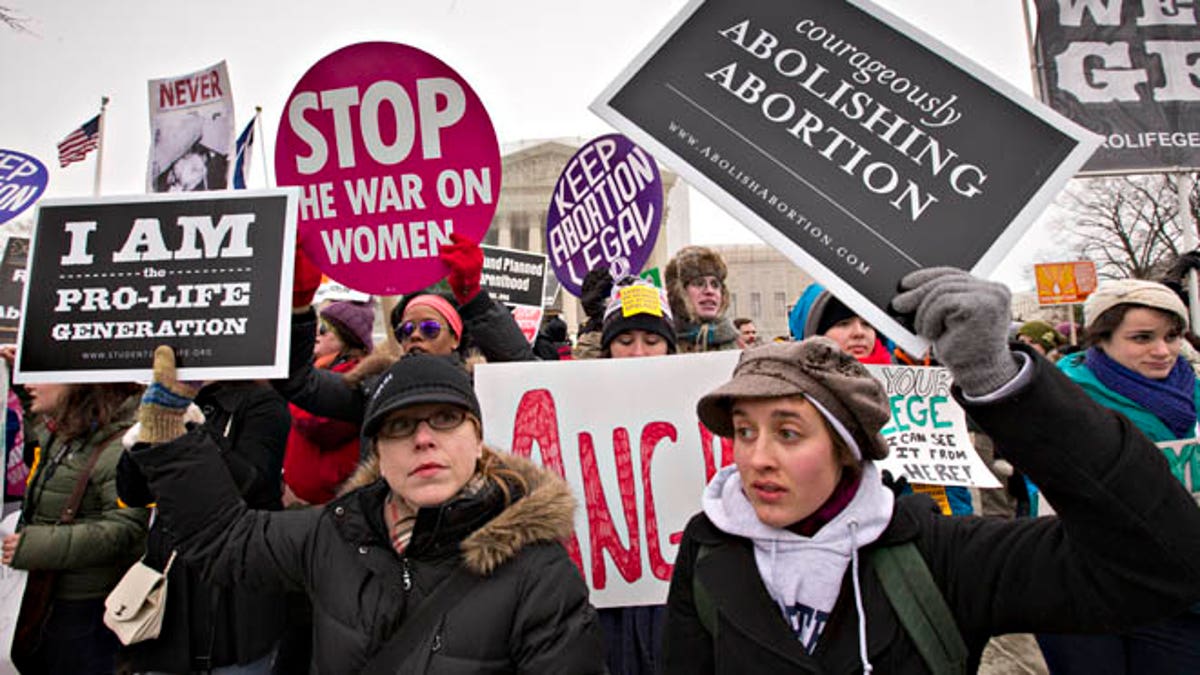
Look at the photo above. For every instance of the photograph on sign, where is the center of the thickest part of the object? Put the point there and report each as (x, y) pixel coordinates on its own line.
(392, 151)
(862, 162)
(191, 131)
(110, 279)
(605, 211)
(12, 286)
(1127, 71)
(23, 179)
(625, 436)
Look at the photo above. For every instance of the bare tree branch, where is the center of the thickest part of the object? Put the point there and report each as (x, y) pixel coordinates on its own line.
(10, 18)
(1128, 225)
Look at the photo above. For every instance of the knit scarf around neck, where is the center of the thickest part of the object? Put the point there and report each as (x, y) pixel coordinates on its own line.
(1171, 399)
(707, 335)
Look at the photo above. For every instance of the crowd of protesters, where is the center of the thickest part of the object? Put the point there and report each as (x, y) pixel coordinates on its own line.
(350, 518)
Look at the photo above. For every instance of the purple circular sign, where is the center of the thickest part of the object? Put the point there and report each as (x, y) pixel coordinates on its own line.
(22, 180)
(605, 210)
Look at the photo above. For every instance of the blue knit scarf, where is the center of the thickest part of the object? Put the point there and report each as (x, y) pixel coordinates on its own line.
(1170, 399)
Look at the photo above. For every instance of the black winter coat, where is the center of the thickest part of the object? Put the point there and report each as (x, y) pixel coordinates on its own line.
(1124, 550)
(488, 324)
(529, 615)
(207, 627)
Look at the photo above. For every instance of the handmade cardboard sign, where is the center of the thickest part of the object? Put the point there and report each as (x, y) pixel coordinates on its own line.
(393, 152)
(208, 273)
(605, 210)
(22, 180)
(855, 144)
(625, 436)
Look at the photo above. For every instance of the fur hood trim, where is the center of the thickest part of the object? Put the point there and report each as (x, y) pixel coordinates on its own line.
(371, 365)
(545, 514)
(375, 363)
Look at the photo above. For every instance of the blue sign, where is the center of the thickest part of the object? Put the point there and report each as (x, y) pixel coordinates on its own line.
(22, 180)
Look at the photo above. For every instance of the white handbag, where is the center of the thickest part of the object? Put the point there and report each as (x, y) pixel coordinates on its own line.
(134, 609)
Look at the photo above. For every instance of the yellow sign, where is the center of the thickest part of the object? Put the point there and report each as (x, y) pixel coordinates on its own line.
(1065, 283)
(640, 299)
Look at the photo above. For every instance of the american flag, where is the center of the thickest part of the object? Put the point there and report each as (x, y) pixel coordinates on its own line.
(79, 142)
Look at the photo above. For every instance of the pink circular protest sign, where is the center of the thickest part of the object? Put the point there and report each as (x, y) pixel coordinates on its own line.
(393, 152)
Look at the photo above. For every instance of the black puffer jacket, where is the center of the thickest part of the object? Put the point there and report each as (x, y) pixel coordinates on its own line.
(1123, 551)
(530, 614)
(489, 325)
(207, 627)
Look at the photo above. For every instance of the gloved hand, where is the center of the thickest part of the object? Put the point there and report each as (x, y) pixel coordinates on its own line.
(465, 260)
(166, 401)
(899, 487)
(967, 320)
(306, 278)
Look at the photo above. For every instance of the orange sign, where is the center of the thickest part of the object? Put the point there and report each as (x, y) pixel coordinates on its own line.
(1065, 283)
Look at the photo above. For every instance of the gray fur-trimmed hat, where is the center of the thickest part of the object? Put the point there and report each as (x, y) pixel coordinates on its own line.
(838, 385)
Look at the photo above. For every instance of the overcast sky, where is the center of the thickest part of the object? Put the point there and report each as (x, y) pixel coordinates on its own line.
(536, 64)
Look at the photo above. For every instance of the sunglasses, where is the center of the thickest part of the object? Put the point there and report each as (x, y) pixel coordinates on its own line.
(430, 329)
(443, 419)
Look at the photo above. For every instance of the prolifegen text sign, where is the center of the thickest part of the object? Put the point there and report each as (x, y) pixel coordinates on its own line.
(858, 146)
(110, 279)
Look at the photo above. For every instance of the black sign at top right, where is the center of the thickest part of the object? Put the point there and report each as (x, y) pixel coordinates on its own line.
(1130, 71)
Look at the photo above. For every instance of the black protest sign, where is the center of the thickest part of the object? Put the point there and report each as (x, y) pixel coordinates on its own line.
(1128, 71)
(852, 142)
(110, 279)
(513, 277)
(12, 286)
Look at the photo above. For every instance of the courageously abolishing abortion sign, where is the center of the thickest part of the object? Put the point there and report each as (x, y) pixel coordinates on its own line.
(208, 273)
(624, 434)
(1126, 69)
(22, 180)
(852, 142)
(606, 208)
(392, 151)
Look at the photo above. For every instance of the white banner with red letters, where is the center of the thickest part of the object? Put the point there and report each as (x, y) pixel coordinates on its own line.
(624, 434)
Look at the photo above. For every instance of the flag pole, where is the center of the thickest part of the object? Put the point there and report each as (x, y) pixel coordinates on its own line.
(262, 143)
(99, 147)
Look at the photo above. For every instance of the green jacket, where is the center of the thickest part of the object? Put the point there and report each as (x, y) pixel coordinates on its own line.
(1146, 421)
(95, 551)
(1184, 461)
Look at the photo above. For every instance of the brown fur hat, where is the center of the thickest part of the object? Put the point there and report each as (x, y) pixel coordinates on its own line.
(691, 262)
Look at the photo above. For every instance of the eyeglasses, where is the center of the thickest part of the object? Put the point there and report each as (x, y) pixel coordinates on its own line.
(705, 282)
(430, 328)
(443, 419)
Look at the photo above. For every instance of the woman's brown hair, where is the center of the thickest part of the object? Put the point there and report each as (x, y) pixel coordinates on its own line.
(1102, 329)
(87, 407)
(492, 468)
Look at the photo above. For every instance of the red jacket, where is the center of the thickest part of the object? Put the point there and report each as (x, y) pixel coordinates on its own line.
(321, 452)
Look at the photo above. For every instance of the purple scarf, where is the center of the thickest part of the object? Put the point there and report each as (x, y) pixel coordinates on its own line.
(1171, 399)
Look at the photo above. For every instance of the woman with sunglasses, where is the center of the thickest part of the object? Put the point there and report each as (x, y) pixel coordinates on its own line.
(448, 559)
(423, 323)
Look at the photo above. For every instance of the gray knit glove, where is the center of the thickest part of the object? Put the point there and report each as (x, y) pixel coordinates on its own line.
(967, 320)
